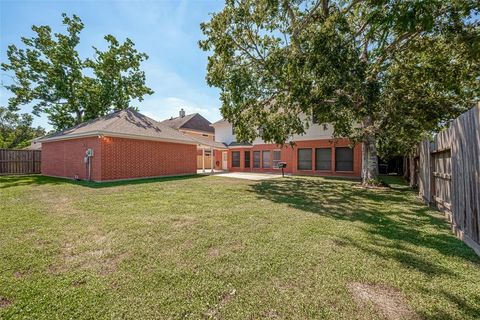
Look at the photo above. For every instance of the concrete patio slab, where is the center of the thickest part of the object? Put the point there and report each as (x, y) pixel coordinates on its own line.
(249, 175)
(209, 171)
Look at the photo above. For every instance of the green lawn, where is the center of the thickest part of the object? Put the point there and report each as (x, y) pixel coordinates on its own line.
(212, 247)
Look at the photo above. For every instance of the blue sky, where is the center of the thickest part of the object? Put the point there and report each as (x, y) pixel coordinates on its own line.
(168, 31)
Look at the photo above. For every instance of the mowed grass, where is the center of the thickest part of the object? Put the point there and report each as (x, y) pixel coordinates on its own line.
(211, 247)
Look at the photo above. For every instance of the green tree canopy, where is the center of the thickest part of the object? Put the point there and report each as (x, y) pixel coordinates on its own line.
(372, 68)
(50, 74)
(16, 130)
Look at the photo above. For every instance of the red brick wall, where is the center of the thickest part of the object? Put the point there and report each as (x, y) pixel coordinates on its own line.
(289, 155)
(66, 158)
(131, 158)
(218, 159)
(117, 158)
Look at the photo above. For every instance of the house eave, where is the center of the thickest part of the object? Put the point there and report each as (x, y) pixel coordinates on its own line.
(114, 135)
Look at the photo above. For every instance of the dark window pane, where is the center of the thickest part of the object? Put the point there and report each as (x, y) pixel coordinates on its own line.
(304, 159)
(236, 159)
(266, 159)
(247, 159)
(277, 155)
(256, 159)
(343, 159)
(323, 159)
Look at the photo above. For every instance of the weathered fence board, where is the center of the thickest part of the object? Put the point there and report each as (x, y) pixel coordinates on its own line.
(449, 175)
(423, 170)
(19, 161)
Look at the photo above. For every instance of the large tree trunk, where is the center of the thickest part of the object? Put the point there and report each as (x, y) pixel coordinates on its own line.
(369, 154)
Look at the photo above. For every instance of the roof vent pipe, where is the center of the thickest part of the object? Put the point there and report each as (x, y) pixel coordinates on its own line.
(182, 113)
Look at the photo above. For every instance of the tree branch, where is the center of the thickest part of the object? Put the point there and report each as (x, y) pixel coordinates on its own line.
(392, 47)
(293, 23)
(304, 22)
(351, 5)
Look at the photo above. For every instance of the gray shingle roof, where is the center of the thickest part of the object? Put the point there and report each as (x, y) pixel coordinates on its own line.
(206, 142)
(125, 122)
(193, 121)
(220, 121)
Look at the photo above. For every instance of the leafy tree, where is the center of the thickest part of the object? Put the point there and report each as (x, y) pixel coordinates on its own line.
(423, 92)
(50, 73)
(16, 130)
(381, 71)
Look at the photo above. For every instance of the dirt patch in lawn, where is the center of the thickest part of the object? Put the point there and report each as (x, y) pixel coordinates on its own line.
(92, 251)
(213, 252)
(214, 312)
(20, 274)
(388, 302)
(183, 222)
(4, 302)
(271, 314)
(57, 204)
(225, 249)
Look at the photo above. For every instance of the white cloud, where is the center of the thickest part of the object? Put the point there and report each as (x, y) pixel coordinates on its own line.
(164, 108)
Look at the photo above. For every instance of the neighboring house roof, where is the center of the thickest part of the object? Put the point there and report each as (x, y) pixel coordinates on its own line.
(126, 123)
(193, 121)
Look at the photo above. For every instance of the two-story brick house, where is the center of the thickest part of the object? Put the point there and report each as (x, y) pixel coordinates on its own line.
(316, 152)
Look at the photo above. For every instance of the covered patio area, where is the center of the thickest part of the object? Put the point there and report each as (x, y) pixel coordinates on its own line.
(209, 155)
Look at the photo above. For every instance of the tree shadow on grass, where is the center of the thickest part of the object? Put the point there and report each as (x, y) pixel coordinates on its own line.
(469, 306)
(379, 210)
(17, 181)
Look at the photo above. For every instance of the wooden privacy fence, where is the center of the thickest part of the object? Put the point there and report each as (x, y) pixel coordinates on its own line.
(19, 161)
(448, 175)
